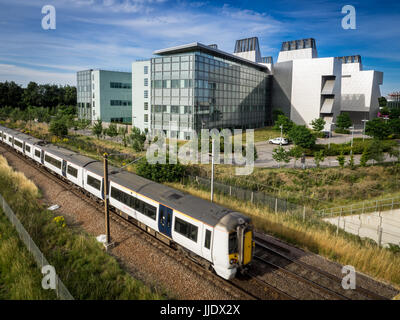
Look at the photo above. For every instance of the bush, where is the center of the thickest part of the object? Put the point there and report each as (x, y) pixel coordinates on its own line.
(285, 122)
(161, 172)
(378, 128)
(318, 124)
(58, 128)
(343, 121)
(302, 136)
(341, 130)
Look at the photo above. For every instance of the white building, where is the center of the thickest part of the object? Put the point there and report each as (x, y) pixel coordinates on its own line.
(141, 93)
(360, 89)
(306, 87)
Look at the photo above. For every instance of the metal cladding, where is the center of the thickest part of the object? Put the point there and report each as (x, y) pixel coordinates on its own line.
(298, 44)
(350, 59)
(248, 44)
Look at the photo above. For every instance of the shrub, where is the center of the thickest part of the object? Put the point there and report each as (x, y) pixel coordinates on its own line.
(319, 157)
(318, 124)
(343, 121)
(112, 130)
(341, 159)
(378, 129)
(280, 155)
(161, 172)
(302, 136)
(97, 129)
(285, 122)
(58, 128)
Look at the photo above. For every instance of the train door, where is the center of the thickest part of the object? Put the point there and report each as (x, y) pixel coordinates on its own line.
(64, 168)
(207, 242)
(42, 157)
(165, 220)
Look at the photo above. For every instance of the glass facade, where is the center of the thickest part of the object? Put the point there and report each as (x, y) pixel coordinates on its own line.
(196, 90)
(84, 94)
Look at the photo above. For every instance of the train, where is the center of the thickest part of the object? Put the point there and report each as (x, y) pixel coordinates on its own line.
(215, 237)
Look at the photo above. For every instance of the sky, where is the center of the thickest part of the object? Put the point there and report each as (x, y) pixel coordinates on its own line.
(111, 34)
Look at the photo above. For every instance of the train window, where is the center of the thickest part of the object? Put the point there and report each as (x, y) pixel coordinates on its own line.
(37, 153)
(186, 229)
(134, 203)
(207, 241)
(52, 161)
(93, 182)
(72, 171)
(27, 148)
(233, 244)
(18, 143)
(10, 139)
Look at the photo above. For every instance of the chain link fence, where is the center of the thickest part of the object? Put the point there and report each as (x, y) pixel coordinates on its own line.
(61, 290)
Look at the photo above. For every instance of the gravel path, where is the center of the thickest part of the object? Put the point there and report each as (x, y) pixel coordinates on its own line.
(141, 260)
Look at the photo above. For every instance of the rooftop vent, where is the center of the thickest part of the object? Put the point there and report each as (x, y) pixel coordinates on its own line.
(214, 46)
(298, 44)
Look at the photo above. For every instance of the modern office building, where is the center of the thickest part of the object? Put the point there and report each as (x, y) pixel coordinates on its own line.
(306, 87)
(197, 86)
(360, 89)
(104, 95)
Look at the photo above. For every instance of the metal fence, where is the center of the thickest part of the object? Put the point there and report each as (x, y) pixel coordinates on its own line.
(260, 198)
(61, 290)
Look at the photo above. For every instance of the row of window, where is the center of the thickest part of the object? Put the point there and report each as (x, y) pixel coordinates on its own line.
(134, 203)
(172, 84)
(52, 161)
(72, 171)
(173, 109)
(18, 143)
(120, 85)
(120, 102)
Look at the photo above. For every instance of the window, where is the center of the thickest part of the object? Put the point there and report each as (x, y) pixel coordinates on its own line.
(146, 82)
(120, 102)
(134, 203)
(37, 153)
(186, 229)
(27, 148)
(72, 171)
(188, 109)
(146, 118)
(120, 85)
(174, 109)
(146, 94)
(93, 182)
(146, 70)
(52, 161)
(146, 106)
(207, 241)
(18, 143)
(10, 139)
(175, 84)
(233, 244)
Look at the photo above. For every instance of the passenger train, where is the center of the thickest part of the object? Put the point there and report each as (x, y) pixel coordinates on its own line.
(213, 236)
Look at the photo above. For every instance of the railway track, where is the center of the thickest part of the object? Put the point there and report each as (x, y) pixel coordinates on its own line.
(324, 284)
(242, 288)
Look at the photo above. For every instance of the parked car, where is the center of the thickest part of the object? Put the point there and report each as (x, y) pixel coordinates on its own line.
(278, 140)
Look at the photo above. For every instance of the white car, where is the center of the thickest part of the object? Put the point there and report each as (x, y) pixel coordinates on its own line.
(278, 140)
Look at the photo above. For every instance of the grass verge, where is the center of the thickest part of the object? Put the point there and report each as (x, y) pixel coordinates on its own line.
(80, 261)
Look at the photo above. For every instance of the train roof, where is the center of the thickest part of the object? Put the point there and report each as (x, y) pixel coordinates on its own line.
(197, 208)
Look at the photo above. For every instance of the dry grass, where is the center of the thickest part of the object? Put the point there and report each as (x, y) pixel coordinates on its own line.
(377, 262)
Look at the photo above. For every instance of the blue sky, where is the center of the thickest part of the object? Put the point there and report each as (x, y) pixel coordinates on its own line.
(110, 34)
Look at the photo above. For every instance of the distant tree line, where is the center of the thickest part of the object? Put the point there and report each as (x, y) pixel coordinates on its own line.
(36, 95)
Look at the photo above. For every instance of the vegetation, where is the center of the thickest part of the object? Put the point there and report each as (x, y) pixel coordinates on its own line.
(161, 172)
(318, 124)
(280, 155)
(285, 122)
(343, 122)
(97, 129)
(80, 261)
(302, 137)
(20, 277)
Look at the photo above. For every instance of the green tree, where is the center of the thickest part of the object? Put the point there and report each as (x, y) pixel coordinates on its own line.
(319, 157)
(343, 121)
(318, 124)
(276, 113)
(382, 102)
(351, 162)
(112, 130)
(296, 152)
(58, 128)
(302, 136)
(123, 131)
(394, 113)
(378, 129)
(364, 157)
(137, 139)
(97, 129)
(394, 125)
(280, 155)
(285, 122)
(341, 159)
(375, 151)
(161, 172)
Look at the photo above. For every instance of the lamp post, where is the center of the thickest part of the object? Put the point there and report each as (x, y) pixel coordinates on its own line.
(365, 121)
(330, 134)
(352, 137)
(280, 142)
(212, 169)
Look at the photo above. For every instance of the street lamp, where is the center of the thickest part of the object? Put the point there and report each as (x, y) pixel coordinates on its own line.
(365, 121)
(280, 142)
(330, 134)
(352, 137)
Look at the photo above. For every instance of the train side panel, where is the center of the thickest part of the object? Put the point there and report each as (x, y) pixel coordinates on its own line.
(93, 183)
